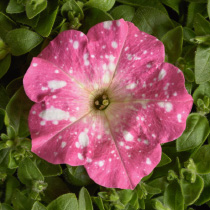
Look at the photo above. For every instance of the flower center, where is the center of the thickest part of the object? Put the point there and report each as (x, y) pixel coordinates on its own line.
(101, 102)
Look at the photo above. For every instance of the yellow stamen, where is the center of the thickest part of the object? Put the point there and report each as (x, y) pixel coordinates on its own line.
(105, 102)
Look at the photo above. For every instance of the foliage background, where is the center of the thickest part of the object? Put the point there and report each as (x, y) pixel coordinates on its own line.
(182, 178)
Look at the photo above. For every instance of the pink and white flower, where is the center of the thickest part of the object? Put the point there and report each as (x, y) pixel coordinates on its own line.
(106, 100)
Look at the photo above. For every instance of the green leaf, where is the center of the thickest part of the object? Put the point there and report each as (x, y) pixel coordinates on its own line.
(21, 202)
(164, 160)
(22, 41)
(173, 41)
(201, 25)
(64, 202)
(22, 18)
(189, 75)
(123, 11)
(125, 196)
(3, 97)
(173, 197)
(47, 19)
(38, 206)
(4, 206)
(14, 85)
(77, 175)
(94, 16)
(173, 4)
(151, 190)
(201, 159)
(55, 188)
(188, 34)
(14, 7)
(85, 202)
(99, 203)
(202, 64)
(205, 195)
(197, 130)
(104, 5)
(11, 185)
(34, 7)
(159, 183)
(208, 8)
(28, 172)
(152, 21)
(6, 25)
(154, 3)
(156, 204)
(17, 112)
(201, 91)
(193, 9)
(48, 169)
(72, 8)
(197, 1)
(4, 65)
(4, 158)
(192, 191)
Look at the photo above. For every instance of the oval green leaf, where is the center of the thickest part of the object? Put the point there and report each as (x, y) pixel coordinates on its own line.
(104, 5)
(152, 21)
(22, 41)
(192, 191)
(201, 159)
(202, 64)
(173, 41)
(197, 130)
(123, 11)
(64, 202)
(85, 202)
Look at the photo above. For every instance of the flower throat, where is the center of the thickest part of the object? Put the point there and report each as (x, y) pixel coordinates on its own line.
(101, 102)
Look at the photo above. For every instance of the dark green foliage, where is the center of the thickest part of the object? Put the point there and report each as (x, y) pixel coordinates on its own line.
(181, 179)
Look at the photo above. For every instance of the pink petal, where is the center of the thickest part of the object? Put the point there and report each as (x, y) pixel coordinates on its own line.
(69, 52)
(128, 158)
(164, 102)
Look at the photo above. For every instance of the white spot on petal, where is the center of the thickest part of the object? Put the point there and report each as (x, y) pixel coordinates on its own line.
(106, 78)
(121, 143)
(63, 144)
(83, 139)
(114, 44)
(77, 144)
(131, 86)
(56, 84)
(179, 118)
(127, 136)
(54, 114)
(75, 45)
(111, 66)
(107, 24)
(101, 163)
(34, 64)
(162, 74)
(42, 123)
(129, 57)
(89, 160)
(168, 106)
(148, 161)
(80, 156)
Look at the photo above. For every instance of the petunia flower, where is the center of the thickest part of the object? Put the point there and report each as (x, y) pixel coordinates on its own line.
(105, 100)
